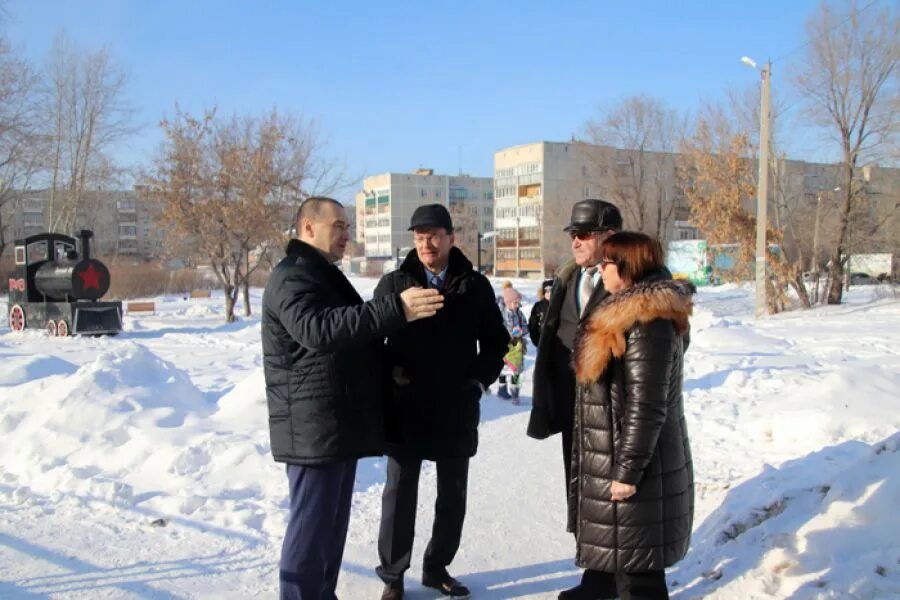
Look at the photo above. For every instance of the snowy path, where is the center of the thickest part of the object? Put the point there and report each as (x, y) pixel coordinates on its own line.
(793, 423)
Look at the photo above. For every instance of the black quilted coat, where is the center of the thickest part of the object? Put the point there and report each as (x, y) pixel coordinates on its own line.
(630, 427)
(322, 347)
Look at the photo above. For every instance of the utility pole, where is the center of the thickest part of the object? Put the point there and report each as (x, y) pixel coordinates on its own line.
(762, 191)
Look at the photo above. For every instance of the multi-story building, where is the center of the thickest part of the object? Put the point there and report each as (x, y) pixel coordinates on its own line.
(537, 184)
(386, 204)
(123, 224)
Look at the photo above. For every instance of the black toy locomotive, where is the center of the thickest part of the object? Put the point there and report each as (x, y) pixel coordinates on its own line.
(54, 288)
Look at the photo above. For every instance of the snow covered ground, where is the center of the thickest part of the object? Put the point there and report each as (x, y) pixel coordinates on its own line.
(138, 466)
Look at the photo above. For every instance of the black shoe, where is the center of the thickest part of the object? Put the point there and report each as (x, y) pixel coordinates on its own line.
(445, 584)
(393, 591)
(593, 586)
(502, 392)
(579, 592)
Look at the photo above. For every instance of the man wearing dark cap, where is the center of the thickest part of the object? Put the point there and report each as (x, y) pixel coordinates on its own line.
(577, 289)
(437, 375)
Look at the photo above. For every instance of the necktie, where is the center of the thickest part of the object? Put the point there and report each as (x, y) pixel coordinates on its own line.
(437, 282)
(587, 288)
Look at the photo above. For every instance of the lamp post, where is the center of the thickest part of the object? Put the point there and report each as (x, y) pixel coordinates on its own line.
(483, 236)
(762, 190)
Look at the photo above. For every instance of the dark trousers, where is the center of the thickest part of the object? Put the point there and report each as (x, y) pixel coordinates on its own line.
(317, 529)
(398, 516)
(647, 585)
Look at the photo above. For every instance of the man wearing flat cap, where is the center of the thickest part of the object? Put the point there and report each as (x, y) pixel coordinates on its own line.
(437, 375)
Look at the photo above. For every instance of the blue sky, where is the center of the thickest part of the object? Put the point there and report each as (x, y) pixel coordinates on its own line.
(400, 85)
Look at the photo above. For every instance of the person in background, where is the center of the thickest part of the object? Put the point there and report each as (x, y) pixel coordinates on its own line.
(632, 487)
(539, 311)
(324, 411)
(514, 359)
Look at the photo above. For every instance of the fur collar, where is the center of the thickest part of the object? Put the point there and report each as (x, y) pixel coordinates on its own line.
(602, 335)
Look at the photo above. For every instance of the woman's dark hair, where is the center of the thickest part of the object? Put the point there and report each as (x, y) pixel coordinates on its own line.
(635, 255)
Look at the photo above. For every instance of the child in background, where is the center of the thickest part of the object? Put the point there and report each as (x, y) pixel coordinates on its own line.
(514, 360)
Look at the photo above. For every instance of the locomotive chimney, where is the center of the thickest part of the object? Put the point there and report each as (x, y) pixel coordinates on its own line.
(85, 235)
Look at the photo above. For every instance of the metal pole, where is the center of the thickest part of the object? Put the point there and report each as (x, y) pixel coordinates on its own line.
(762, 193)
(478, 245)
(518, 232)
(816, 244)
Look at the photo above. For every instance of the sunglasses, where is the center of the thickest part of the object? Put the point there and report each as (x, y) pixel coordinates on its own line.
(587, 235)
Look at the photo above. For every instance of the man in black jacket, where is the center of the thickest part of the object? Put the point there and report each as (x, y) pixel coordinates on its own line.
(539, 311)
(439, 369)
(321, 343)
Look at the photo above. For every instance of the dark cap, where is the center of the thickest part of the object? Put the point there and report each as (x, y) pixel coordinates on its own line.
(594, 215)
(431, 215)
(548, 283)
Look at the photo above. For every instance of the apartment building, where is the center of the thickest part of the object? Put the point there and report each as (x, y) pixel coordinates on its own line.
(535, 186)
(123, 224)
(386, 203)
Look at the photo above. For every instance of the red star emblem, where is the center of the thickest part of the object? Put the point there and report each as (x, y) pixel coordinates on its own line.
(90, 278)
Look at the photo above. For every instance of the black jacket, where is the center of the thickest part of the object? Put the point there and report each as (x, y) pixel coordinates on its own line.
(630, 427)
(536, 320)
(321, 347)
(435, 415)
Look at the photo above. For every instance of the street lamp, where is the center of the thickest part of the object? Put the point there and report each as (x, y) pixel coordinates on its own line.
(762, 189)
(483, 236)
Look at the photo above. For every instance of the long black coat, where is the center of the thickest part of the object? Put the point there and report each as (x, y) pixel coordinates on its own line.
(436, 414)
(630, 427)
(546, 416)
(321, 349)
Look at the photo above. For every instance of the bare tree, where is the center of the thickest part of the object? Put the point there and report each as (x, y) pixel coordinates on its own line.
(641, 133)
(18, 136)
(86, 115)
(228, 187)
(849, 79)
(718, 172)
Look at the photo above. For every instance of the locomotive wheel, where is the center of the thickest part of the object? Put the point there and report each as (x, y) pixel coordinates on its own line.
(62, 328)
(51, 327)
(16, 318)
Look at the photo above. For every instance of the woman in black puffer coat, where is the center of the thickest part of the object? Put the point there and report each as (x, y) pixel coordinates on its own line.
(632, 487)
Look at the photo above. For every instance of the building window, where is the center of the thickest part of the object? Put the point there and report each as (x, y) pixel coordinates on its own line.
(33, 205)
